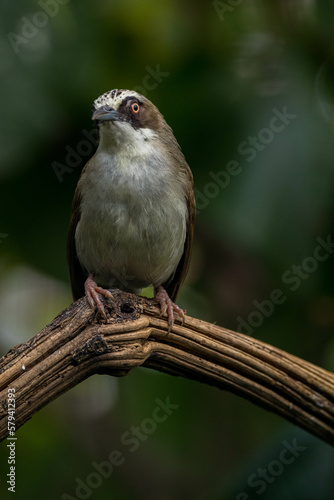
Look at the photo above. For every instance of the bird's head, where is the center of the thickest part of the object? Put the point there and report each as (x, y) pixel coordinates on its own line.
(126, 115)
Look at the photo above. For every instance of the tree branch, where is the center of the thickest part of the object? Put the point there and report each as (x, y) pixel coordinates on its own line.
(78, 343)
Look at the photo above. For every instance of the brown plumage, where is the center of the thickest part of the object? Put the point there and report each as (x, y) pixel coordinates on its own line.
(132, 220)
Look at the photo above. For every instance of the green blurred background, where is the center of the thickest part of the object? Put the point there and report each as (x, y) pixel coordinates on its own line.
(219, 72)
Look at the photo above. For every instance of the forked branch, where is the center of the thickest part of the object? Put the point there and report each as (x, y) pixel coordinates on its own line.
(77, 344)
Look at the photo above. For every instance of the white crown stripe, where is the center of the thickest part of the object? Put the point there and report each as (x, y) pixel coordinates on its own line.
(113, 98)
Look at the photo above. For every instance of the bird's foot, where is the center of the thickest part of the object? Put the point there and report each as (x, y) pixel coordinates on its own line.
(92, 291)
(166, 304)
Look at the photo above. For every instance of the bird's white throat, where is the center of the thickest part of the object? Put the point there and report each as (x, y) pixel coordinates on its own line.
(121, 136)
(133, 216)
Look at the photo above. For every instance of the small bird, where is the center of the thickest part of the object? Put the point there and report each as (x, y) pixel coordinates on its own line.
(133, 211)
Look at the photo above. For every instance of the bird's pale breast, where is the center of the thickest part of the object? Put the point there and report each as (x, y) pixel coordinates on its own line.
(133, 222)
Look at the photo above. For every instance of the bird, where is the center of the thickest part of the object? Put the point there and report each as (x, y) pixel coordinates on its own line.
(133, 210)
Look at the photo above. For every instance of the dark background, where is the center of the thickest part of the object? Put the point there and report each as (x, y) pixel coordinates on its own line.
(219, 72)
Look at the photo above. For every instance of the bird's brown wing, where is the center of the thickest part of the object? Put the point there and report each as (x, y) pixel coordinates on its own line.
(173, 287)
(77, 275)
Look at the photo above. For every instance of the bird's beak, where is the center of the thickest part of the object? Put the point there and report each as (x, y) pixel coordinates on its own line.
(105, 113)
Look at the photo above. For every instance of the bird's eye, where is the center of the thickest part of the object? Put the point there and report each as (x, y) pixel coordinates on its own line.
(135, 107)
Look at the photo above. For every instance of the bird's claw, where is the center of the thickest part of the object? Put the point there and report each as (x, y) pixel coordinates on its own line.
(167, 305)
(92, 291)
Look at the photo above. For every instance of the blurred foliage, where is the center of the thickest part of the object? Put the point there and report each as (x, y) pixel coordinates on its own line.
(220, 72)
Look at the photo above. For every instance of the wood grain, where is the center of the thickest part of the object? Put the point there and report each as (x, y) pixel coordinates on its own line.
(78, 343)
